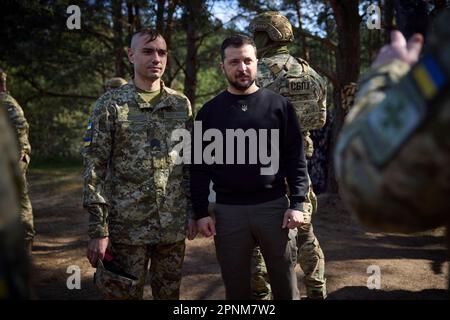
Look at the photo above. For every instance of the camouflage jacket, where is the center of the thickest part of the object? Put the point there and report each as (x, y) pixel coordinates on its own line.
(19, 123)
(128, 143)
(393, 154)
(305, 89)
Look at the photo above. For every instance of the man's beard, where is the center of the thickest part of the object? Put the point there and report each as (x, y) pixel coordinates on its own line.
(237, 85)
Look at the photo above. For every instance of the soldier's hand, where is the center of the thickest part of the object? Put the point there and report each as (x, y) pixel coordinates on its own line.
(96, 250)
(292, 219)
(400, 49)
(192, 229)
(206, 226)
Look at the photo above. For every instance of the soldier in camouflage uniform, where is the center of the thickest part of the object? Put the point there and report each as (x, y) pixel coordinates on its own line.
(306, 90)
(14, 260)
(146, 213)
(393, 154)
(21, 127)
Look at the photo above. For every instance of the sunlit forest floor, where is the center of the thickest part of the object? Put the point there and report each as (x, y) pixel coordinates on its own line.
(411, 266)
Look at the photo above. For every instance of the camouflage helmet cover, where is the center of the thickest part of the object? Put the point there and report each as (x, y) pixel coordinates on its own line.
(275, 24)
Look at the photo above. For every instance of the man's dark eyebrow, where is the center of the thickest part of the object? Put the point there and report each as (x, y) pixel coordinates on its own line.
(153, 48)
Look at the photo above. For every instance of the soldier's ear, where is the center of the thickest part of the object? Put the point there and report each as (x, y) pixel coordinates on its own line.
(130, 55)
(221, 67)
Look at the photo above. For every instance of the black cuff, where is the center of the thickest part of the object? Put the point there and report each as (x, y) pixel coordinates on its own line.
(296, 203)
(201, 213)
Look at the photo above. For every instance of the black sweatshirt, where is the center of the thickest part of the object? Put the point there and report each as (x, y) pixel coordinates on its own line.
(243, 184)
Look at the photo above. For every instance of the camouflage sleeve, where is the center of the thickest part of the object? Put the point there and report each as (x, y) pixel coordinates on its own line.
(21, 127)
(186, 167)
(372, 86)
(372, 90)
(97, 151)
(322, 96)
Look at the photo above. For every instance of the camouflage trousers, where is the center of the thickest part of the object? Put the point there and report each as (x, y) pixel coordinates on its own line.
(309, 256)
(26, 211)
(130, 265)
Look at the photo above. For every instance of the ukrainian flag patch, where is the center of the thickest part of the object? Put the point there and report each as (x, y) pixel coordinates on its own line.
(429, 77)
(87, 141)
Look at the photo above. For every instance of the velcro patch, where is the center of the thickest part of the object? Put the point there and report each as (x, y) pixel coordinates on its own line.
(300, 86)
(389, 125)
(175, 115)
(137, 117)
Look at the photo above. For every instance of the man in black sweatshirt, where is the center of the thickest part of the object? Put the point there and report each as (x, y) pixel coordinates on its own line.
(255, 149)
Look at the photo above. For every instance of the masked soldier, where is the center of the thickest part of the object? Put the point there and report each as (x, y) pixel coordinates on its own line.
(306, 90)
(21, 128)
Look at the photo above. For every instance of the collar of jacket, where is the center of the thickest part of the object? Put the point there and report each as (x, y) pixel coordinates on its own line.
(165, 101)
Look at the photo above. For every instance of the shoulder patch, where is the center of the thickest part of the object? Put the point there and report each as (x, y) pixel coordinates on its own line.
(389, 124)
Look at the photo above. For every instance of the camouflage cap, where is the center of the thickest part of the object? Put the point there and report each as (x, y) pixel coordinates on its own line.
(113, 285)
(115, 82)
(275, 24)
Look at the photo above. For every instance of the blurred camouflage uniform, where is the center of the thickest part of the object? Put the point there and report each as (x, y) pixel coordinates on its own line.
(393, 154)
(21, 127)
(306, 90)
(14, 261)
(114, 83)
(146, 209)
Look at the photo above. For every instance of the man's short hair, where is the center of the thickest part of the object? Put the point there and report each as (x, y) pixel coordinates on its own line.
(152, 33)
(236, 41)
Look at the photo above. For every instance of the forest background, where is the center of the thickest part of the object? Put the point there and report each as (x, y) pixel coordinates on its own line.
(56, 73)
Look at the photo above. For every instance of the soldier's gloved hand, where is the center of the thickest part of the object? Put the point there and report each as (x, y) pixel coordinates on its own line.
(292, 219)
(206, 226)
(96, 250)
(400, 49)
(192, 229)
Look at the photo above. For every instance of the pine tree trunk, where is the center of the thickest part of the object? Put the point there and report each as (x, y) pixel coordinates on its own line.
(118, 44)
(347, 70)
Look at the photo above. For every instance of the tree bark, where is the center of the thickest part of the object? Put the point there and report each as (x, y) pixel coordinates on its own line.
(160, 16)
(388, 14)
(118, 43)
(191, 16)
(347, 70)
(305, 51)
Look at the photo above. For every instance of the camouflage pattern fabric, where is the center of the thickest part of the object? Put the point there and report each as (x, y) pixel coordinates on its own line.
(129, 139)
(393, 154)
(260, 277)
(14, 261)
(296, 80)
(125, 277)
(21, 127)
(274, 24)
(348, 93)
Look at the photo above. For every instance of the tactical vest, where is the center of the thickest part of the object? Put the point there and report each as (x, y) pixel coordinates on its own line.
(295, 79)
